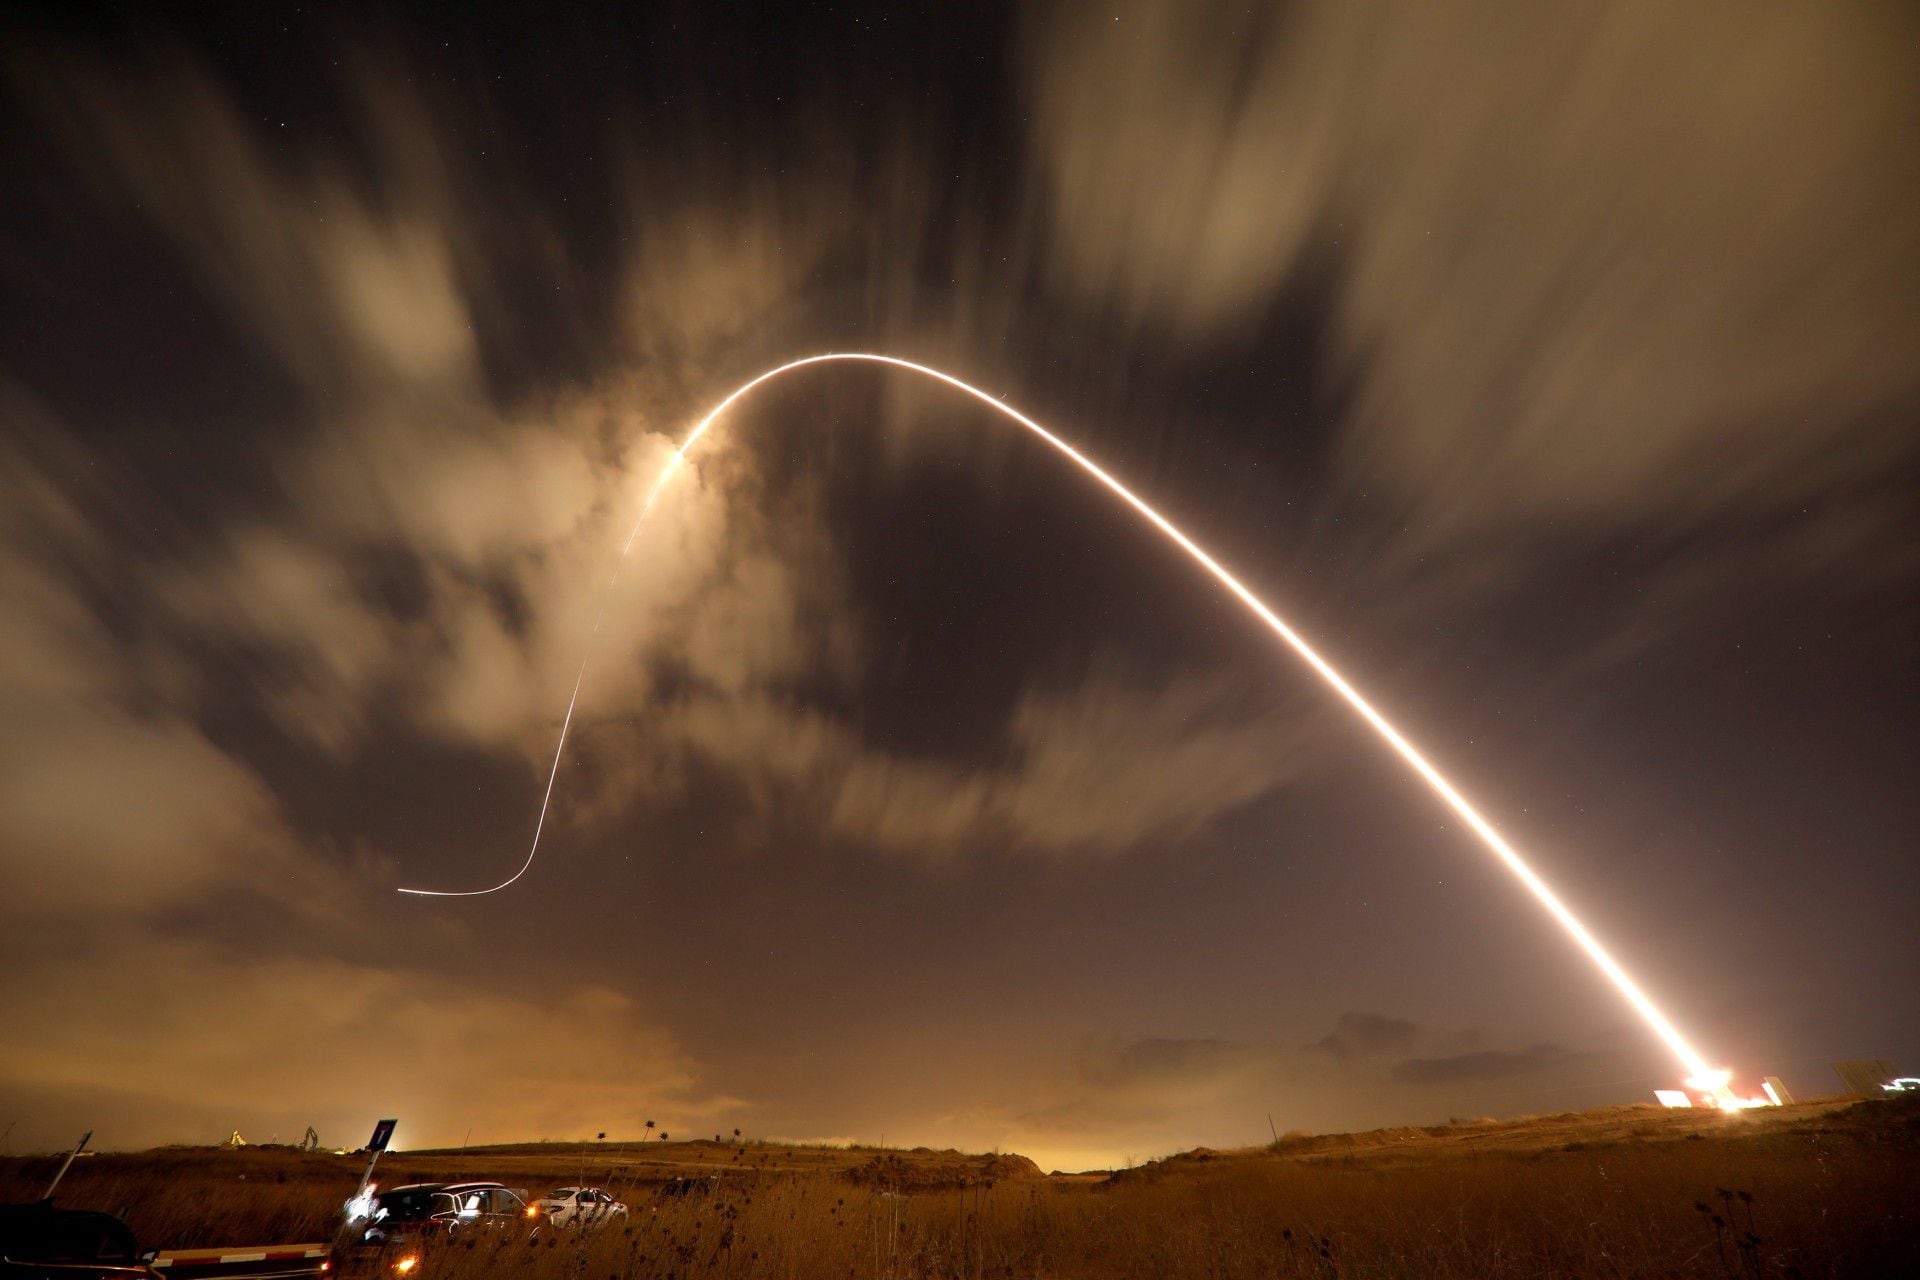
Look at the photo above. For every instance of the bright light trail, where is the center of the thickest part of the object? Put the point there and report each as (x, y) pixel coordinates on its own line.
(1700, 1075)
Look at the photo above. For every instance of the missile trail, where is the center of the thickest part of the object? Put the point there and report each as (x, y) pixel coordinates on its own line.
(1700, 1074)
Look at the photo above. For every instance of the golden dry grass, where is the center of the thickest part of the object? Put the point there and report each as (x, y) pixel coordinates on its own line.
(1617, 1194)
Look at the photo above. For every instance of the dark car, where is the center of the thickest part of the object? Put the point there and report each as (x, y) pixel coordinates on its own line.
(41, 1242)
(400, 1223)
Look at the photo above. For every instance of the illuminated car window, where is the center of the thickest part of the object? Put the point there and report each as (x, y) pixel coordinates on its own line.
(413, 1206)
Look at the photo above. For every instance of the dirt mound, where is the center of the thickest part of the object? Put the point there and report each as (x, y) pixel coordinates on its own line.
(1011, 1166)
(942, 1171)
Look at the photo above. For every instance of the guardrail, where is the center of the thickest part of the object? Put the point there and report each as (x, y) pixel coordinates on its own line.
(261, 1262)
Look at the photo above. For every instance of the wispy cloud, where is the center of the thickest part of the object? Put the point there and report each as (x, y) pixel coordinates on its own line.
(1632, 268)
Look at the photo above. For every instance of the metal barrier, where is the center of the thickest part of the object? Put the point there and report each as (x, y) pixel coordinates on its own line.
(263, 1262)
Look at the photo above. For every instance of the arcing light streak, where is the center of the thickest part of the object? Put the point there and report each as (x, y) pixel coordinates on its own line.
(1697, 1068)
(553, 772)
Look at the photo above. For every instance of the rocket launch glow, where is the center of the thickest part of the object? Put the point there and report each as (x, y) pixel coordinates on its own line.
(1700, 1075)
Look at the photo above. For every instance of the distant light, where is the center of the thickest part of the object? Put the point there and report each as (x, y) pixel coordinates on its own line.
(361, 1206)
(407, 1263)
(1709, 1081)
(1719, 1090)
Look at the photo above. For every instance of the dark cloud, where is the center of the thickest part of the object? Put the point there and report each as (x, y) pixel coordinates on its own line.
(1368, 1035)
(1161, 1060)
(1372, 1040)
(1158, 1083)
(1485, 1064)
(1122, 1089)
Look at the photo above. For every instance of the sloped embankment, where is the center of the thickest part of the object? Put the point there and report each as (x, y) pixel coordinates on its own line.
(942, 1171)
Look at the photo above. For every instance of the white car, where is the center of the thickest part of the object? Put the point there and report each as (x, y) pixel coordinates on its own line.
(580, 1207)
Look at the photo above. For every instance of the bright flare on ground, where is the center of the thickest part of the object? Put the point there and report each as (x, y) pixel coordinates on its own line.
(1700, 1076)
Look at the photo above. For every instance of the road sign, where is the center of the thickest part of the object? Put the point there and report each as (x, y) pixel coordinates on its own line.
(382, 1134)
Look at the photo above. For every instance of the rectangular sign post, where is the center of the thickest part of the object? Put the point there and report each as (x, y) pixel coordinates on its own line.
(382, 1135)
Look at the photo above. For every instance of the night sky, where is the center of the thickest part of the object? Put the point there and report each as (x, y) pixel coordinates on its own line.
(1555, 370)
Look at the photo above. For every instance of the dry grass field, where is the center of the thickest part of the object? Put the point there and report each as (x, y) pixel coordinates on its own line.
(1814, 1191)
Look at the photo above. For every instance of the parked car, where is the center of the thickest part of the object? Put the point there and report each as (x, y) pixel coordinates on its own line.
(41, 1242)
(580, 1207)
(388, 1232)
